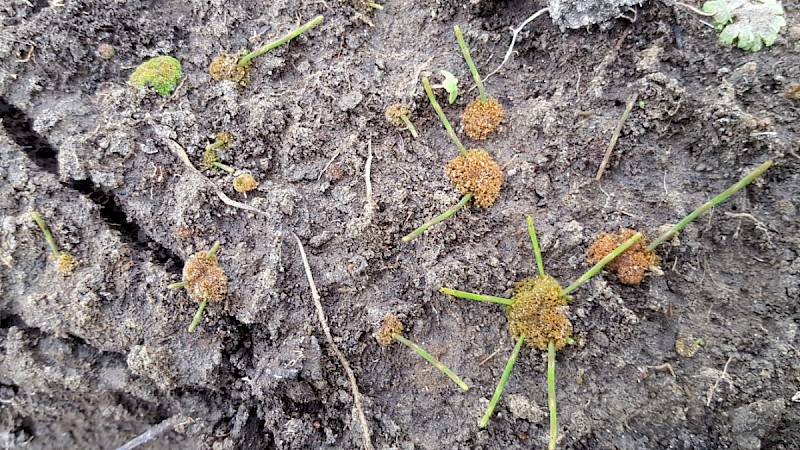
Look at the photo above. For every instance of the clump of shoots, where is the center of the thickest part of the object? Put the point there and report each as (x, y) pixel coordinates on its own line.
(537, 313)
(484, 115)
(204, 281)
(631, 265)
(398, 114)
(211, 159)
(162, 73)
(391, 330)
(474, 173)
(237, 69)
(65, 262)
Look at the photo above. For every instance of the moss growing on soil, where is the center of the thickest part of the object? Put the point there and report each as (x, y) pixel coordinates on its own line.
(538, 313)
(205, 280)
(631, 265)
(244, 183)
(476, 173)
(226, 67)
(162, 73)
(390, 325)
(481, 118)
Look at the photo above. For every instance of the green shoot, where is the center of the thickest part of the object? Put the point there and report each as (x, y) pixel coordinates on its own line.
(535, 242)
(431, 359)
(599, 266)
(450, 84)
(197, 316)
(398, 114)
(441, 217)
(374, 5)
(245, 60)
(710, 204)
(410, 126)
(177, 285)
(478, 297)
(470, 63)
(48, 236)
(551, 394)
(503, 379)
(427, 85)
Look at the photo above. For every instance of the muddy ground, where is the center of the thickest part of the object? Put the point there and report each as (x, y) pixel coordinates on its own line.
(96, 358)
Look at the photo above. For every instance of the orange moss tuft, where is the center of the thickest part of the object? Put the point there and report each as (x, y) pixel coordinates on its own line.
(244, 183)
(539, 313)
(389, 325)
(226, 67)
(66, 263)
(631, 265)
(395, 113)
(204, 279)
(482, 118)
(476, 173)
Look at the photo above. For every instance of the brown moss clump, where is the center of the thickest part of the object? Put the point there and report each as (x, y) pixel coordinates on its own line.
(395, 113)
(631, 265)
(226, 67)
(66, 263)
(476, 173)
(205, 280)
(482, 118)
(389, 325)
(244, 183)
(210, 157)
(793, 91)
(539, 313)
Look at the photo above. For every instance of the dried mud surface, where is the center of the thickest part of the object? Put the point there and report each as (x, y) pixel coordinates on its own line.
(94, 359)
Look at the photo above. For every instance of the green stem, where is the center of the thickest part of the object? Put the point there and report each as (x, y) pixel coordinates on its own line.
(710, 204)
(416, 233)
(197, 316)
(48, 236)
(478, 297)
(427, 85)
(245, 60)
(213, 250)
(375, 6)
(503, 379)
(409, 125)
(599, 266)
(551, 394)
(537, 253)
(431, 359)
(470, 63)
(215, 145)
(177, 285)
(224, 167)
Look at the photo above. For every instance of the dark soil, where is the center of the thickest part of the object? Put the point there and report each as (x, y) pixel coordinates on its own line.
(95, 359)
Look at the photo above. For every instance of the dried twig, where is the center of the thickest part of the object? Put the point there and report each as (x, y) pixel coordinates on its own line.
(367, 168)
(514, 33)
(326, 329)
(330, 161)
(724, 376)
(615, 136)
(156, 431)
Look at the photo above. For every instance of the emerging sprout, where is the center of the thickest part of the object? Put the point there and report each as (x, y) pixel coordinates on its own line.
(204, 281)
(629, 266)
(65, 262)
(211, 159)
(485, 114)
(476, 173)
(450, 84)
(368, 6)
(161, 72)
(231, 67)
(391, 329)
(397, 115)
(244, 183)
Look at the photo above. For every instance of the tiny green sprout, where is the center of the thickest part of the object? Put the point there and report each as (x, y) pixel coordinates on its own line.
(237, 69)
(204, 281)
(162, 73)
(65, 262)
(211, 159)
(630, 267)
(450, 84)
(537, 315)
(398, 114)
(484, 115)
(392, 329)
(750, 24)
